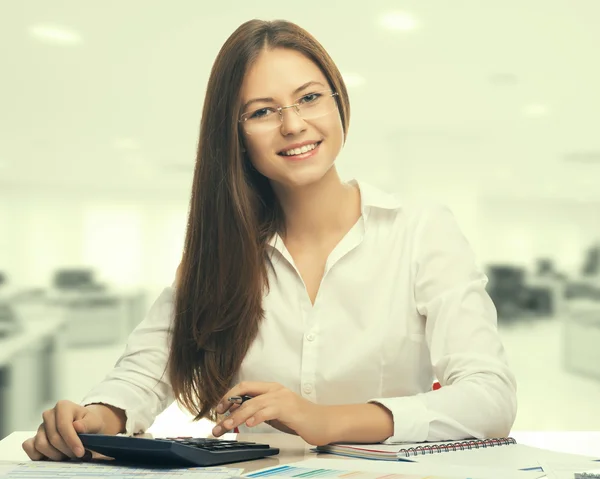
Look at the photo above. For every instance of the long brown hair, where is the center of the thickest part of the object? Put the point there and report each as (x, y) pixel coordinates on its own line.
(233, 215)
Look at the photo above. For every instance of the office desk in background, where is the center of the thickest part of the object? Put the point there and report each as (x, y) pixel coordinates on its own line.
(581, 338)
(30, 363)
(98, 317)
(294, 449)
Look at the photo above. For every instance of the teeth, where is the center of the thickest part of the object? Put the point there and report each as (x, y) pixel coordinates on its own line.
(298, 151)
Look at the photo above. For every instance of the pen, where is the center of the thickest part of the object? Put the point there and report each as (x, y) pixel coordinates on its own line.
(239, 399)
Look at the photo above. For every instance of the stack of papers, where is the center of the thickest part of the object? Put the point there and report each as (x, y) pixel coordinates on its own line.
(93, 470)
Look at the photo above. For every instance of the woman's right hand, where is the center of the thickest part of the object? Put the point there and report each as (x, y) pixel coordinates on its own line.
(56, 438)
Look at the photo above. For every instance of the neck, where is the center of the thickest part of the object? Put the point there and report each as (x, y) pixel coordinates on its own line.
(315, 211)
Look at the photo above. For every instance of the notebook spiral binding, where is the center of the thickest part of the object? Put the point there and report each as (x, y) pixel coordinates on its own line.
(456, 446)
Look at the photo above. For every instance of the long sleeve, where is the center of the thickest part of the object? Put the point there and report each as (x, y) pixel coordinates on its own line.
(138, 383)
(478, 394)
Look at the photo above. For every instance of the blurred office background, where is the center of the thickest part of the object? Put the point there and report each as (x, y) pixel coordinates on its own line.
(492, 107)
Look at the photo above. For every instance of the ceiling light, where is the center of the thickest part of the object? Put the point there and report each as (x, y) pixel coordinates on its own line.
(535, 110)
(399, 21)
(53, 34)
(353, 79)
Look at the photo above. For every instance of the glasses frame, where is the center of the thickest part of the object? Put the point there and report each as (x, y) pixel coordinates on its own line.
(295, 106)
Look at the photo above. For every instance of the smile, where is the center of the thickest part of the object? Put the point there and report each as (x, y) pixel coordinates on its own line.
(300, 151)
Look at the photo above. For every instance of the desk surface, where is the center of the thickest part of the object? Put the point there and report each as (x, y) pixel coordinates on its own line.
(295, 449)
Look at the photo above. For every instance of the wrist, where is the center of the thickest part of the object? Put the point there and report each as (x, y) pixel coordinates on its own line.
(113, 418)
(329, 419)
(359, 423)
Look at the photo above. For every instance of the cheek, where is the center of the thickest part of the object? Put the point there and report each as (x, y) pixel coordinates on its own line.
(258, 152)
(335, 134)
(258, 144)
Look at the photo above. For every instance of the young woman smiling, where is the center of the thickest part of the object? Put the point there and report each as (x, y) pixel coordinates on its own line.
(333, 305)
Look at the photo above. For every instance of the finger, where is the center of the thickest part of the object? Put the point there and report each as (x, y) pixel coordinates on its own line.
(224, 406)
(31, 451)
(268, 413)
(53, 435)
(231, 408)
(43, 446)
(88, 421)
(87, 456)
(242, 413)
(250, 388)
(64, 418)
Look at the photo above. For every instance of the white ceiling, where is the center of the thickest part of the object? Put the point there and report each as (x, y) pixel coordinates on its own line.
(444, 103)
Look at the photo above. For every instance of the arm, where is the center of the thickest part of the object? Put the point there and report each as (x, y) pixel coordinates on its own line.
(137, 389)
(478, 397)
(359, 423)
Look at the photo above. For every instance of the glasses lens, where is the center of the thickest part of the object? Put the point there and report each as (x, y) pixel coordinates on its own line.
(316, 105)
(311, 106)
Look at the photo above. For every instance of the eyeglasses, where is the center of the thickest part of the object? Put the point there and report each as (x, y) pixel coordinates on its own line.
(310, 106)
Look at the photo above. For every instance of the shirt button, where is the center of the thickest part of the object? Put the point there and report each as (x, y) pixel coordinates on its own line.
(308, 388)
(310, 337)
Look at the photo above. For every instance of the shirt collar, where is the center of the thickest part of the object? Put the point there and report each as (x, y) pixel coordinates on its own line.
(373, 197)
(370, 197)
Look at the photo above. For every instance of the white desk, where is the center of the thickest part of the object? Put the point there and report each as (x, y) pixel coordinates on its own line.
(294, 449)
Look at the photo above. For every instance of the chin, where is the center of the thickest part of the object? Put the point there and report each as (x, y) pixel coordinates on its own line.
(305, 177)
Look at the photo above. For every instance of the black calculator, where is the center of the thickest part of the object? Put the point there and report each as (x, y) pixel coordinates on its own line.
(175, 451)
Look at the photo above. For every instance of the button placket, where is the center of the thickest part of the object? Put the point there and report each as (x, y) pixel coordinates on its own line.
(309, 355)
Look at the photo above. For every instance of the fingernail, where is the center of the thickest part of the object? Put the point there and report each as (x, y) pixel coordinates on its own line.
(220, 407)
(78, 451)
(217, 430)
(250, 421)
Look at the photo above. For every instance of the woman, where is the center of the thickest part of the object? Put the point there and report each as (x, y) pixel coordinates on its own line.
(333, 305)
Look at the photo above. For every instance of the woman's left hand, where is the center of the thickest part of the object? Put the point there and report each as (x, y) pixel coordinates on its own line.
(277, 406)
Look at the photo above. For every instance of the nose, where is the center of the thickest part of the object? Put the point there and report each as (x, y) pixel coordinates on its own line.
(291, 122)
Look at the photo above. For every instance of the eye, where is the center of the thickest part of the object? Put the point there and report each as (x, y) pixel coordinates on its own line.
(310, 98)
(262, 113)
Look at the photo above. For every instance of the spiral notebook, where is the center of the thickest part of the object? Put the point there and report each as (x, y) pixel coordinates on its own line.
(395, 452)
(499, 452)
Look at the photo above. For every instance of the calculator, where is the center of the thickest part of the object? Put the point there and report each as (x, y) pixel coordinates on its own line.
(175, 451)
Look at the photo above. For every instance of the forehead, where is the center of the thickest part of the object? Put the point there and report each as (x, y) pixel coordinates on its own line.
(279, 72)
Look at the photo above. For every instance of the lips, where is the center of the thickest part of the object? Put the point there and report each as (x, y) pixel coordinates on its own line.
(317, 143)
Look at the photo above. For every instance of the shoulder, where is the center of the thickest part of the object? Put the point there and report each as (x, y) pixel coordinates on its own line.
(417, 217)
(376, 198)
(424, 218)
(429, 217)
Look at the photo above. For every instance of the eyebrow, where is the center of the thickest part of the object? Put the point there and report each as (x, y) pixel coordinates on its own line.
(297, 90)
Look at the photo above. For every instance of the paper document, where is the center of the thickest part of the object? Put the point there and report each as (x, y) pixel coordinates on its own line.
(94, 470)
(361, 469)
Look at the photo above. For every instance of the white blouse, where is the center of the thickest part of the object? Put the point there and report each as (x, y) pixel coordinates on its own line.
(402, 303)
